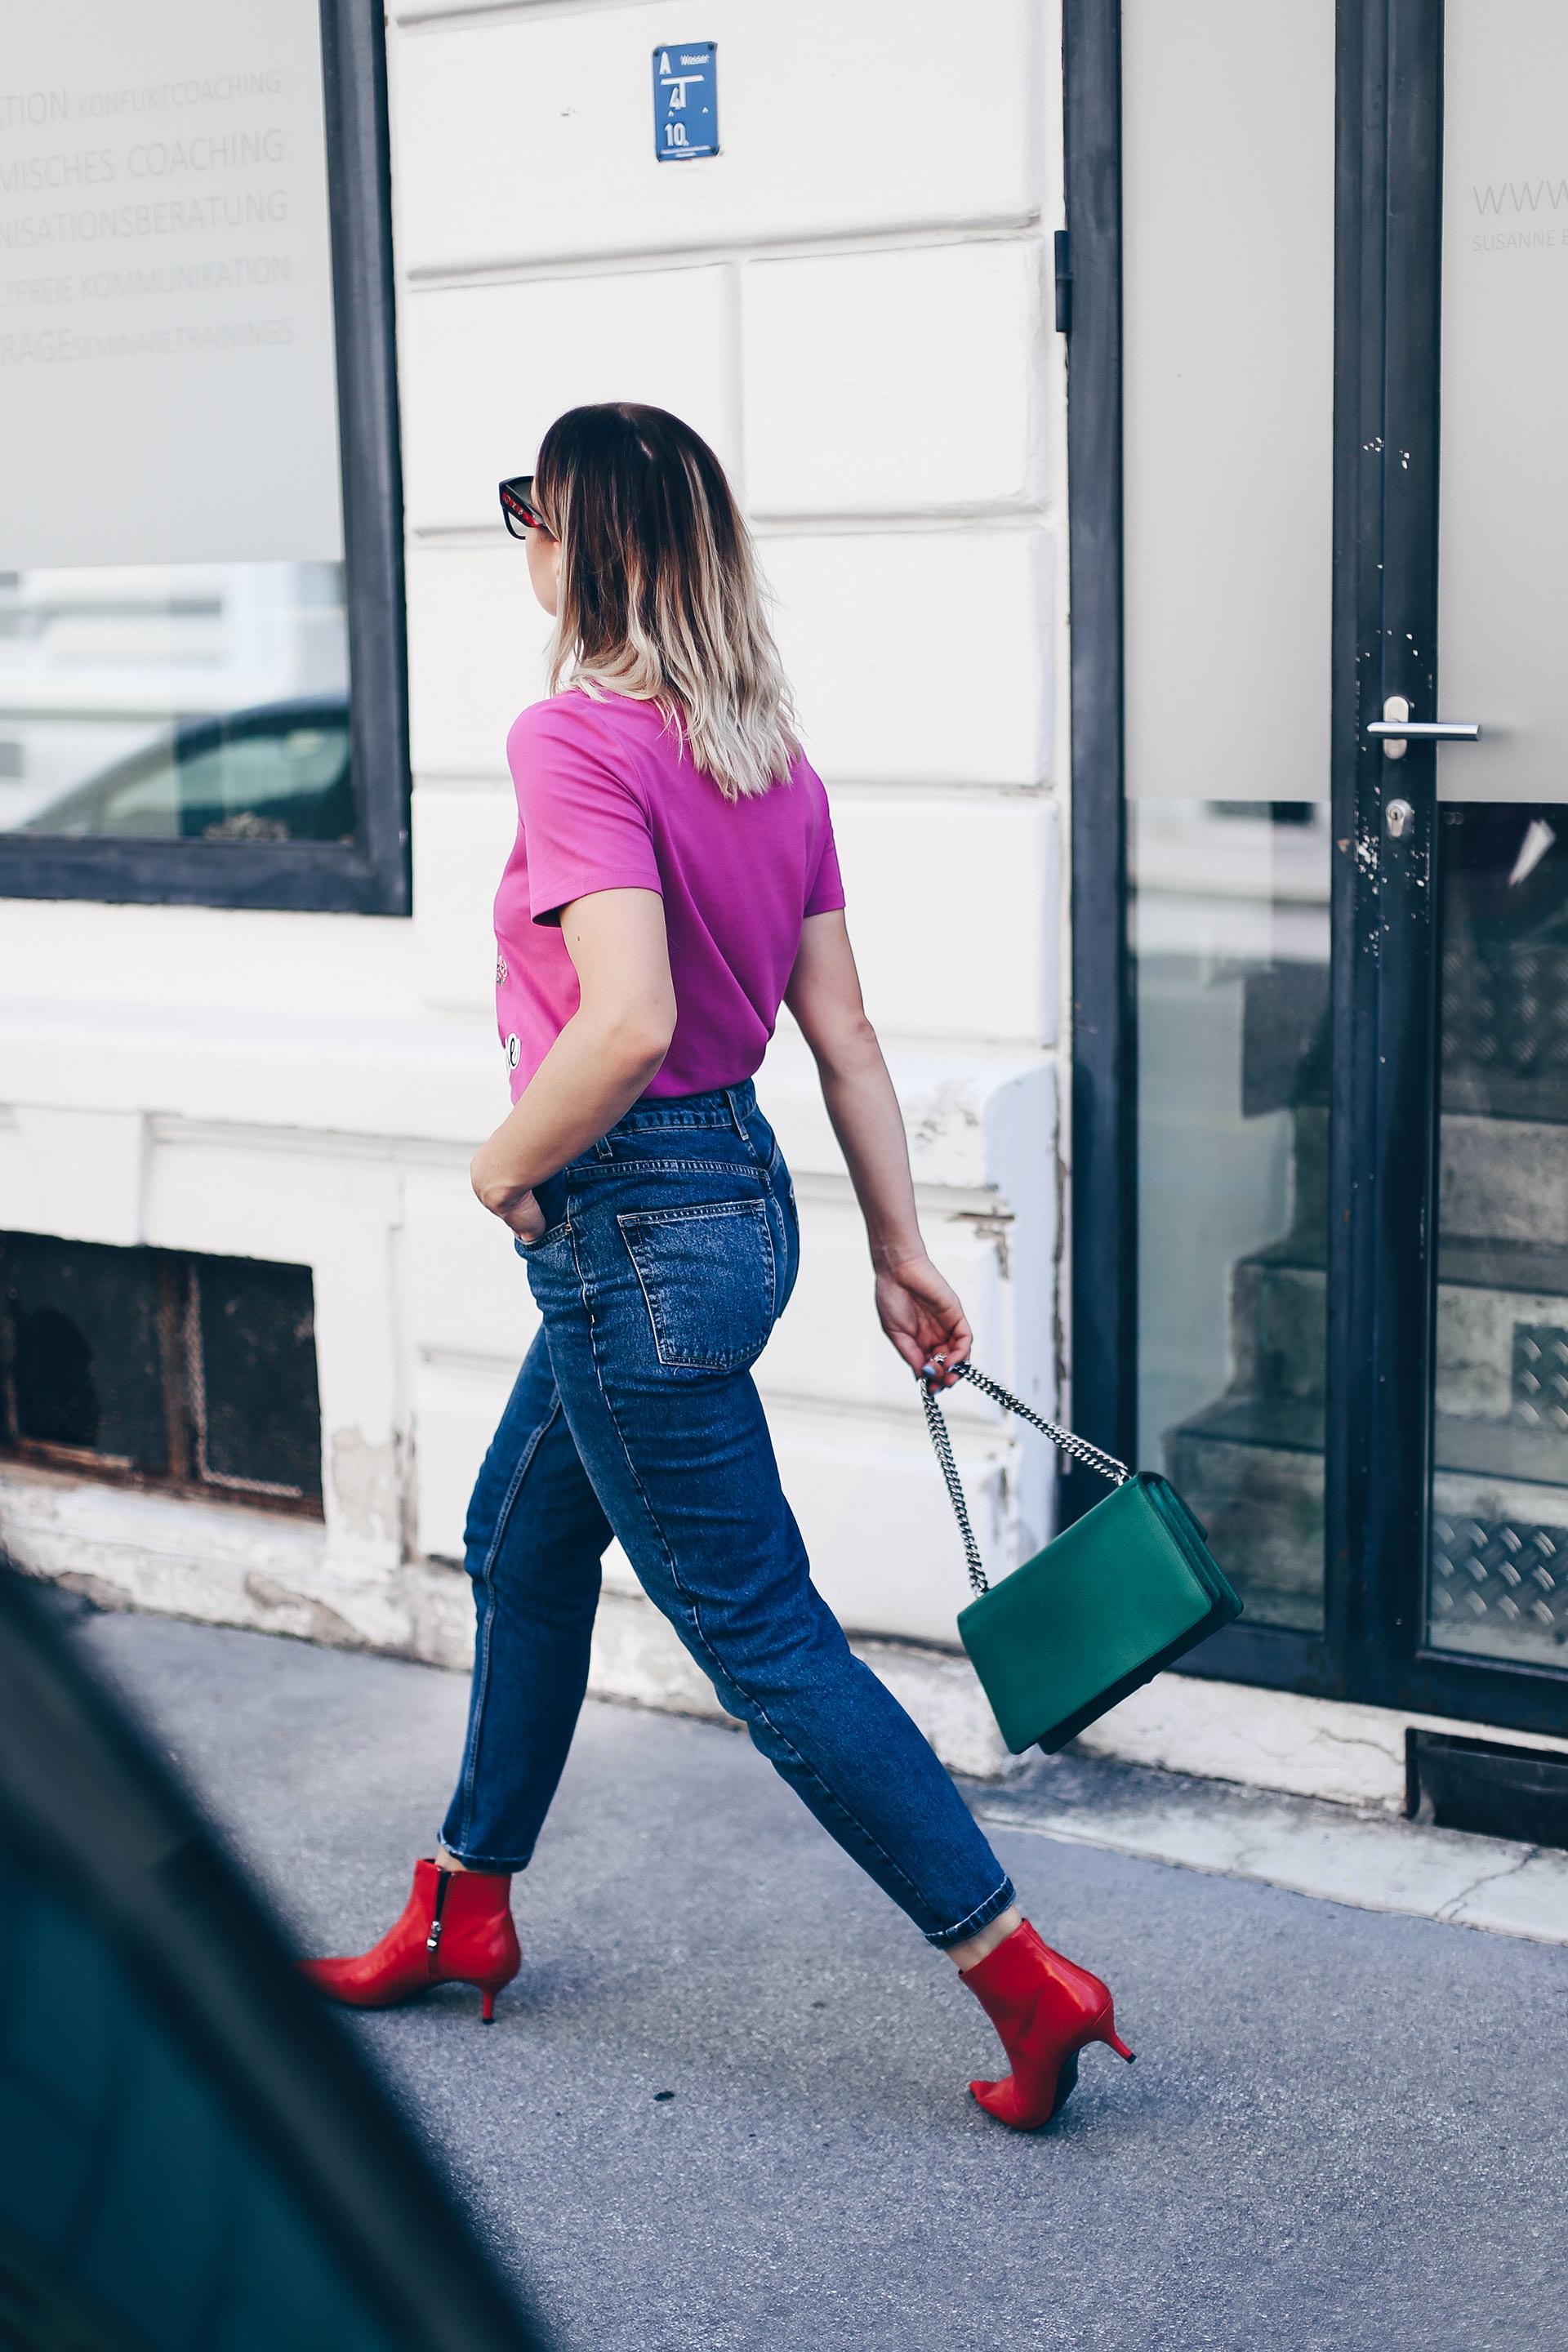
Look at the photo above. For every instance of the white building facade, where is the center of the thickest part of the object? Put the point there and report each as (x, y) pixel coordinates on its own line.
(848, 303)
(853, 300)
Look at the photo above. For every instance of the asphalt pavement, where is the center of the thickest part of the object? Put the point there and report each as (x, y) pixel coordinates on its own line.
(724, 2104)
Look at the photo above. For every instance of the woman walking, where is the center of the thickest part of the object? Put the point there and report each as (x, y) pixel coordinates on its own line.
(673, 881)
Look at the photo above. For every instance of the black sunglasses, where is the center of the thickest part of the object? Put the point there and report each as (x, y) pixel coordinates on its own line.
(517, 505)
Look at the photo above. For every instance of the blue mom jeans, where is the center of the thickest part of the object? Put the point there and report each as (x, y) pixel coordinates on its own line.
(670, 1250)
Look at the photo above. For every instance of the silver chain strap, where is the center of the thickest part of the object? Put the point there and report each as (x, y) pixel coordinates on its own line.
(1106, 1465)
(937, 1425)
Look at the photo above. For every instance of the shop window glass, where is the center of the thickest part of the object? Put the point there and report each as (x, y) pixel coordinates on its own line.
(1229, 452)
(177, 599)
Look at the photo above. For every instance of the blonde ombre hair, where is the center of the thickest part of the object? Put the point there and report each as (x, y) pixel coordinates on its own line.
(659, 595)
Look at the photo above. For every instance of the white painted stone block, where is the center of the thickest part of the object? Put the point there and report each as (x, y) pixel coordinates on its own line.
(829, 1345)
(477, 636)
(55, 951)
(484, 369)
(952, 902)
(893, 382)
(1270, 1739)
(984, 1124)
(971, 1112)
(462, 838)
(328, 1073)
(529, 139)
(917, 657)
(280, 1199)
(465, 1288)
(456, 1409)
(80, 1173)
(885, 1549)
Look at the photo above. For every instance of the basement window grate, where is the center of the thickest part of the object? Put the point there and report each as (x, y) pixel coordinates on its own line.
(160, 1368)
(1486, 1786)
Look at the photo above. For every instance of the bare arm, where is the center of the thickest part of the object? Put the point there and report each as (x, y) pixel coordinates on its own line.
(603, 1060)
(919, 1311)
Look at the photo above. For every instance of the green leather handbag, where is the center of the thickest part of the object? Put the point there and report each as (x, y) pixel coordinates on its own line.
(1111, 1603)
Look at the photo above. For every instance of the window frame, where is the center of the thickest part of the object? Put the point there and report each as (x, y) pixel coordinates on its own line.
(372, 875)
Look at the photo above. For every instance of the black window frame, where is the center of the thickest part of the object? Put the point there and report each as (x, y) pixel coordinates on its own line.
(371, 875)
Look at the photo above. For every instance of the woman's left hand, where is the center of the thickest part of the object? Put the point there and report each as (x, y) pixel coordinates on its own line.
(921, 1314)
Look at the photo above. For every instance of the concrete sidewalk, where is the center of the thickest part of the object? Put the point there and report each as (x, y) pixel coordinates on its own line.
(1345, 2130)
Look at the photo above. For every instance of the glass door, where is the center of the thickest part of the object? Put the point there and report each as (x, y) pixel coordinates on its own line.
(1497, 1584)
(1228, 241)
(1447, 1487)
(1318, 313)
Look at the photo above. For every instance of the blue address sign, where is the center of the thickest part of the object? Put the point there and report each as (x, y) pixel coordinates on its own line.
(685, 101)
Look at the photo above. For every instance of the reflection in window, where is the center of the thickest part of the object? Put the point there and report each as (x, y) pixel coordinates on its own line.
(176, 701)
(1230, 939)
(1498, 1568)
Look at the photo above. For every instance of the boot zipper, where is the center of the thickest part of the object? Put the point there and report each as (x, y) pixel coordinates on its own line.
(433, 1940)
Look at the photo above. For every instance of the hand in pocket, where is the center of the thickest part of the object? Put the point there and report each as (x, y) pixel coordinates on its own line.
(526, 1219)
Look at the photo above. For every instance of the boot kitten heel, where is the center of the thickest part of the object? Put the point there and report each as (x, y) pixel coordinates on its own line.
(1046, 2011)
(454, 1928)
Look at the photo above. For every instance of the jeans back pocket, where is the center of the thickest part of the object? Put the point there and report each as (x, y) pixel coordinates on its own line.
(708, 1277)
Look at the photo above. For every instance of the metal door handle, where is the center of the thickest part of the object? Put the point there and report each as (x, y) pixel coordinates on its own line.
(1396, 729)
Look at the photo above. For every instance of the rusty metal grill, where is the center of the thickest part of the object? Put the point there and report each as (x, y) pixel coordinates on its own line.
(160, 1368)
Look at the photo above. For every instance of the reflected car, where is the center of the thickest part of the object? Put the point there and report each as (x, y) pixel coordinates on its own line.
(278, 772)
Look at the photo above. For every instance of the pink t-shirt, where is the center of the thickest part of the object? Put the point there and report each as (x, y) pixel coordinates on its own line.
(608, 800)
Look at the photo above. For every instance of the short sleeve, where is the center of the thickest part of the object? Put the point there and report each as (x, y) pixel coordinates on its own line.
(584, 826)
(827, 890)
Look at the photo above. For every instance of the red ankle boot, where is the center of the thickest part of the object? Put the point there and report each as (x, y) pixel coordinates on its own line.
(456, 1928)
(1046, 2010)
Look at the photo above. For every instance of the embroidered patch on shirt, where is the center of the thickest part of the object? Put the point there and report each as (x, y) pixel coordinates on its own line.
(501, 971)
(514, 1053)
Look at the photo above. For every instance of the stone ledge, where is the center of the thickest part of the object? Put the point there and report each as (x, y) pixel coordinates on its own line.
(1334, 1852)
(220, 1565)
(1296, 1746)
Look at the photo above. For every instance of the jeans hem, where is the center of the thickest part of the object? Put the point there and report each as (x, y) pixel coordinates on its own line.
(973, 1922)
(500, 1865)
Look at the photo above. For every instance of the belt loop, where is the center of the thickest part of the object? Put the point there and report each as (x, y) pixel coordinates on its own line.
(604, 1149)
(733, 1095)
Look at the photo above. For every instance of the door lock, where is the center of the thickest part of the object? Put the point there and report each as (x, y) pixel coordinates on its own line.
(1398, 816)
